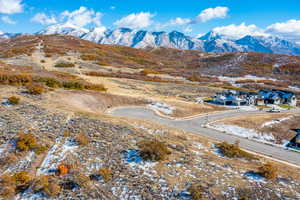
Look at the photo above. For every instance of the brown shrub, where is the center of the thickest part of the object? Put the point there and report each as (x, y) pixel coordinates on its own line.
(234, 151)
(14, 100)
(26, 142)
(35, 89)
(8, 78)
(50, 82)
(106, 174)
(64, 65)
(46, 185)
(62, 169)
(196, 191)
(153, 150)
(7, 186)
(21, 178)
(39, 149)
(95, 87)
(66, 133)
(82, 139)
(9, 159)
(145, 72)
(268, 171)
(88, 57)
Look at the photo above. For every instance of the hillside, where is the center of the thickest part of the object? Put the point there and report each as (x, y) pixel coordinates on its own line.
(272, 70)
(59, 140)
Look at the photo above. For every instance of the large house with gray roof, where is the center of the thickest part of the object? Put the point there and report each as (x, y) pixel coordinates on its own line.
(263, 97)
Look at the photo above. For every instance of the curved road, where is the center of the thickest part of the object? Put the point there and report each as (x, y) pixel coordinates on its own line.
(196, 125)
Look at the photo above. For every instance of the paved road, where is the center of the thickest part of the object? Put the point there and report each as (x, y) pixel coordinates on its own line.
(195, 125)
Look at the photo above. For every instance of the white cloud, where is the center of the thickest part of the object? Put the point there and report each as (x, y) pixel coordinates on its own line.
(112, 7)
(289, 29)
(42, 18)
(188, 29)
(135, 20)
(11, 6)
(179, 21)
(81, 17)
(238, 31)
(212, 13)
(7, 20)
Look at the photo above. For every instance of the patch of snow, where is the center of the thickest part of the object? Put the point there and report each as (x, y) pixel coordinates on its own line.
(254, 177)
(295, 88)
(55, 155)
(244, 132)
(162, 107)
(276, 121)
(247, 77)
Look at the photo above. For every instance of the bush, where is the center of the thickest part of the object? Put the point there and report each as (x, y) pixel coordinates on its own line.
(196, 191)
(95, 87)
(73, 85)
(7, 78)
(233, 151)
(39, 149)
(62, 169)
(9, 159)
(153, 150)
(50, 82)
(26, 142)
(35, 89)
(46, 185)
(82, 139)
(64, 65)
(22, 178)
(88, 57)
(105, 173)
(268, 171)
(145, 72)
(7, 186)
(14, 100)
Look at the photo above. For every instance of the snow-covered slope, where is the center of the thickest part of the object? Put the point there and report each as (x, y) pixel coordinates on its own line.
(210, 42)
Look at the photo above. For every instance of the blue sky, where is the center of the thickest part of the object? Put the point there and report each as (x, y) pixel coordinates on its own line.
(193, 17)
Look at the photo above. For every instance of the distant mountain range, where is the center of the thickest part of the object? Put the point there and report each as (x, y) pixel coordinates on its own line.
(210, 42)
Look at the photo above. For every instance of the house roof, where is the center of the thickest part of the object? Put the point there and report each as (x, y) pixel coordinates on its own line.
(275, 94)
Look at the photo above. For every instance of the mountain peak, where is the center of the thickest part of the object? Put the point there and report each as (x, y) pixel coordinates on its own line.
(211, 42)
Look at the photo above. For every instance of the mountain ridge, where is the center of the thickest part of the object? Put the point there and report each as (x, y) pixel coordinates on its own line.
(210, 42)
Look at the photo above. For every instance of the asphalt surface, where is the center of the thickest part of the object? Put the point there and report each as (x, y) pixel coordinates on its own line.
(197, 125)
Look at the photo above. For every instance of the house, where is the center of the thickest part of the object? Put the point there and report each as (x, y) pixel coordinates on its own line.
(263, 97)
(277, 97)
(295, 142)
(234, 97)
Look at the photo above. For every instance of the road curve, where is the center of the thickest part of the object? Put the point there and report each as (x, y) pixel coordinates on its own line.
(195, 125)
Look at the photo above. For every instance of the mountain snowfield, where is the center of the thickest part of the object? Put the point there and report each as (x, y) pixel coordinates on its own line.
(210, 42)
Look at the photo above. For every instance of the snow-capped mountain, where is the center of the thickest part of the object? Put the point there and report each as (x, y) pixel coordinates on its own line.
(4, 36)
(214, 42)
(129, 37)
(210, 42)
